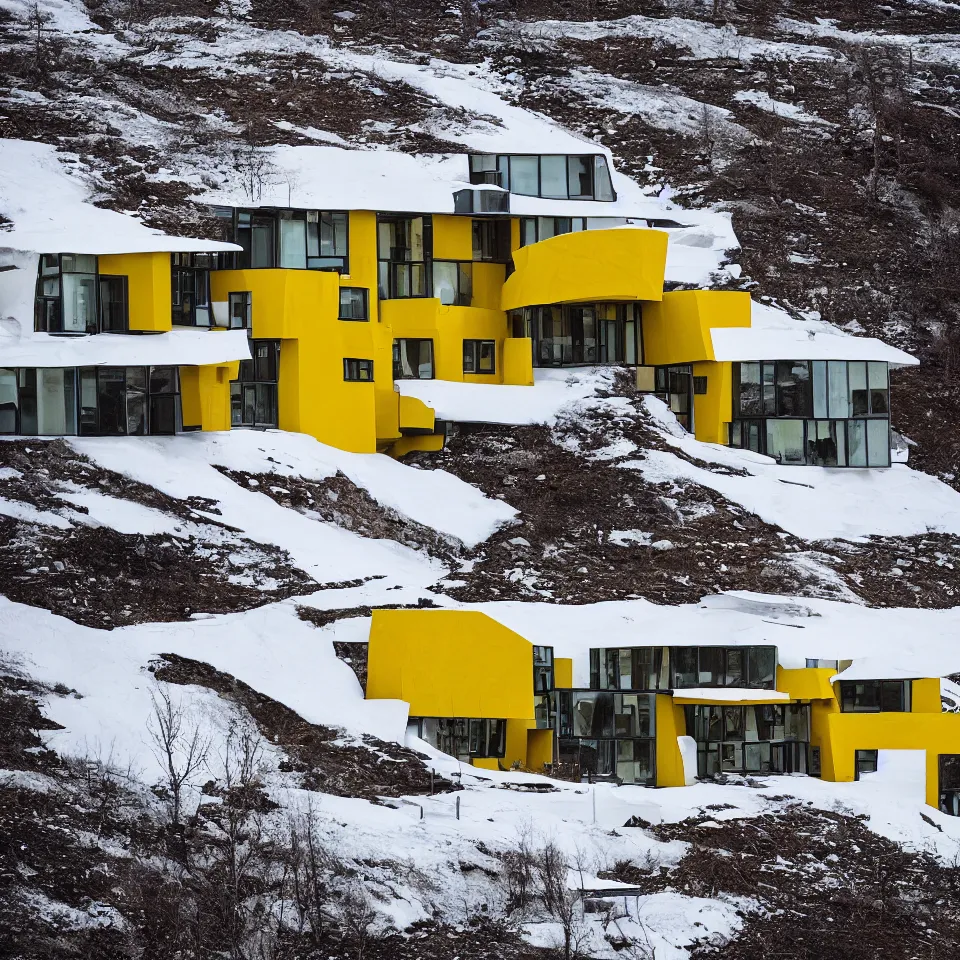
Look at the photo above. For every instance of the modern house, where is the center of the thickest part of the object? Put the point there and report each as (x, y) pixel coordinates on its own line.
(353, 270)
(659, 716)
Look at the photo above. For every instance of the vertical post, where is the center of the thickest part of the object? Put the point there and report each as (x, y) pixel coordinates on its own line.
(421, 811)
(431, 781)
(458, 806)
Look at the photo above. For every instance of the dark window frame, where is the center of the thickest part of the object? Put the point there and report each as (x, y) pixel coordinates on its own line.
(389, 268)
(152, 399)
(365, 297)
(247, 309)
(250, 387)
(44, 302)
(875, 696)
(948, 783)
(490, 241)
(353, 367)
(397, 367)
(190, 277)
(124, 283)
(477, 347)
(243, 221)
(463, 296)
(481, 171)
(865, 761)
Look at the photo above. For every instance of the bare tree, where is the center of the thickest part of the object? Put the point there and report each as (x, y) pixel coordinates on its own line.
(358, 918)
(41, 45)
(552, 871)
(179, 745)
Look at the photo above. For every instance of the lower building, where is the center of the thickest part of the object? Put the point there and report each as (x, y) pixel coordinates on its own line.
(658, 716)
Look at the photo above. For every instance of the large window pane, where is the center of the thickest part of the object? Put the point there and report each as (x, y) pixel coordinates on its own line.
(684, 666)
(856, 443)
(445, 281)
(261, 250)
(89, 414)
(859, 398)
(838, 395)
(604, 187)
(793, 388)
(761, 666)
(56, 402)
(769, 390)
(877, 384)
(111, 397)
(79, 302)
(819, 372)
(553, 177)
(580, 176)
(523, 176)
(878, 443)
(293, 244)
(8, 400)
(749, 389)
(785, 440)
(136, 397)
(824, 443)
(711, 667)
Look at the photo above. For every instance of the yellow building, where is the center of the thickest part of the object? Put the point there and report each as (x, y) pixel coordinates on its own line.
(656, 716)
(364, 268)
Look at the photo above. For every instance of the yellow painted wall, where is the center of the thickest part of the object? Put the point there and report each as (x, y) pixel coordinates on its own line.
(518, 361)
(415, 414)
(670, 723)
(563, 673)
(148, 287)
(452, 237)
(588, 265)
(539, 749)
(205, 395)
(806, 683)
(450, 663)
(362, 247)
(300, 308)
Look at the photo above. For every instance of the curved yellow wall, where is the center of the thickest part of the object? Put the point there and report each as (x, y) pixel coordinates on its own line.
(622, 264)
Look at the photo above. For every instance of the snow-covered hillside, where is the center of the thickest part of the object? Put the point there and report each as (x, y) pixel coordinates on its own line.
(188, 767)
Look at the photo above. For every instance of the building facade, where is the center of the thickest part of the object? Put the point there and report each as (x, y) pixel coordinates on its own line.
(504, 263)
(659, 716)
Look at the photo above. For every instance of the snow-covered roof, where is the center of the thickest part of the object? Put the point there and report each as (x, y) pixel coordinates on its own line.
(775, 335)
(889, 668)
(51, 211)
(331, 177)
(187, 347)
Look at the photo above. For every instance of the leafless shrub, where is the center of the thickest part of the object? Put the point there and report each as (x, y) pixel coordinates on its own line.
(179, 745)
(551, 871)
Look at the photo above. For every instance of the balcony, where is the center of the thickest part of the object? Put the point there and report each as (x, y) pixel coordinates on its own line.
(591, 265)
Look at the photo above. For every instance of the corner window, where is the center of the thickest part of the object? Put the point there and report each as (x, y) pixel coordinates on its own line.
(67, 294)
(241, 310)
(114, 313)
(293, 239)
(479, 356)
(412, 359)
(357, 370)
(128, 401)
(865, 761)
(354, 303)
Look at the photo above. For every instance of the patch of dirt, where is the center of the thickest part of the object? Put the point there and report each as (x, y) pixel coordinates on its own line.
(322, 618)
(340, 501)
(826, 887)
(327, 759)
(355, 656)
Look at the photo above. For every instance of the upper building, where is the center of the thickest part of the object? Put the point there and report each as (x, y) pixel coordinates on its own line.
(347, 271)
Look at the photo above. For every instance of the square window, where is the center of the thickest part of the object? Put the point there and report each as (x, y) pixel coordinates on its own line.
(353, 303)
(357, 370)
(240, 310)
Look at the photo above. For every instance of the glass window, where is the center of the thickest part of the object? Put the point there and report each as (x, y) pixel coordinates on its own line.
(856, 443)
(768, 373)
(684, 666)
(553, 177)
(113, 304)
(826, 443)
(838, 396)
(240, 310)
(749, 395)
(446, 281)
(819, 372)
(353, 303)
(865, 761)
(878, 387)
(859, 397)
(357, 370)
(793, 388)
(604, 186)
(524, 176)
(710, 667)
(412, 359)
(479, 356)
(528, 231)
(580, 177)
(874, 696)
(293, 244)
(761, 666)
(56, 402)
(878, 443)
(785, 440)
(9, 404)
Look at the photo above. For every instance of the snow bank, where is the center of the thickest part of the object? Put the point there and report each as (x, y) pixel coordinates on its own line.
(553, 391)
(183, 466)
(52, 210)
(815, 503)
